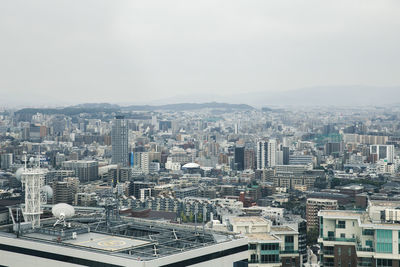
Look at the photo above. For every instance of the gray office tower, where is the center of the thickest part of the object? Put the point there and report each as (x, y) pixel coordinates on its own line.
(119, 141)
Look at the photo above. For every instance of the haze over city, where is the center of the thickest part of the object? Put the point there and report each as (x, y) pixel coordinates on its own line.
(158, 52)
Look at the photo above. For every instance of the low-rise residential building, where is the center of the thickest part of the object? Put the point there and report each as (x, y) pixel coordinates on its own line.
(269, 246)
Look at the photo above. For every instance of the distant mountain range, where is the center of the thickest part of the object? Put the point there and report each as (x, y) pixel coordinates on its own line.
(332, 96)
(311, 96)
(190, 106)
(106, 107)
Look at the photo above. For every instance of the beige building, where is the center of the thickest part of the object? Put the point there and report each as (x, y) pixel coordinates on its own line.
(314, 205)
(269, 246)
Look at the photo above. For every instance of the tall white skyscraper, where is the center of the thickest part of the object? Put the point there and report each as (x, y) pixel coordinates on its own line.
(119, 141)
(262, 154)
(271, 153)
(266, 154)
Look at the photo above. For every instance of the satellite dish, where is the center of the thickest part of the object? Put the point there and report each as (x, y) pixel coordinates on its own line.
(18, 174)
(62, 211)
(48, 191)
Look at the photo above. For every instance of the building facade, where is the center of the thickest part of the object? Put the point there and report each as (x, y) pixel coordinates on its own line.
(313, 206)
(361, 238)
(119, 141)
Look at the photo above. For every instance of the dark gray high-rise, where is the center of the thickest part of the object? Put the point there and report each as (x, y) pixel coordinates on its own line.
(119, 141)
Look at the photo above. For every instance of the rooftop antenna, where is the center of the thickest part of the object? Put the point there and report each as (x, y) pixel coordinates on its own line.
(25, 158)
(39, 157)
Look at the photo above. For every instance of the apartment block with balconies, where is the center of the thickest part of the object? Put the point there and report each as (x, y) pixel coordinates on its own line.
(269, 246)
(360, 238)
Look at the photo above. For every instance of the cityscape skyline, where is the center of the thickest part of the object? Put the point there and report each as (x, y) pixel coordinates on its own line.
(226, 133)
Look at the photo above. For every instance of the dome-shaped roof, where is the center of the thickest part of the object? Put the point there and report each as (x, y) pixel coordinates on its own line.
(191, 165)
(63, 210)
(18, 174)
(47, 190)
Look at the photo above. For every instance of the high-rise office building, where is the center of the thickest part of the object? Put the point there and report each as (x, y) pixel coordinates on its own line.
(271, 153)
(286, 154)
(262, 154)
(85, 170)
(6, 160)
(62, 193)
(119, 141)
(334, 148)
(385, 152)
(239, 158)
(314, 205)
(249, 159)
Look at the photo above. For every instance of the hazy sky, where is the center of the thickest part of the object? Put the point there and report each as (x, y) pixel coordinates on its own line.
(143, 51)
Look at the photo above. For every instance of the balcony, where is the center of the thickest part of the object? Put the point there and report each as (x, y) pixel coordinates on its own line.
(339, 239)
(269, 252)
(289, 252)
(365, 249)
(260, 262)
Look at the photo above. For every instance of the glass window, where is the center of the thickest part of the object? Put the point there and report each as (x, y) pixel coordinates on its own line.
(383, 263)
(289, 243)
(252, 246)
(384, 241)
(341, 224)
(272, 246)
(368, 232)
(269, 258)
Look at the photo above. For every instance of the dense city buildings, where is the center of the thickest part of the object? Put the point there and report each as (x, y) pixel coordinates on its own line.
(200, 133)
(289, 183)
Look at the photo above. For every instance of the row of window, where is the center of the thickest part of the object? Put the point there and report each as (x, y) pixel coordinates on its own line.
(383, 263)
(340, 251)
(265, 258)
(272, 246)
(289, 245)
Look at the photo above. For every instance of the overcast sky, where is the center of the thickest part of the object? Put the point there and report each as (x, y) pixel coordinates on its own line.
(60, 52)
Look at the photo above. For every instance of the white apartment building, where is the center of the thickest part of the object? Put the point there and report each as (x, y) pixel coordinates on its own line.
(361, 238)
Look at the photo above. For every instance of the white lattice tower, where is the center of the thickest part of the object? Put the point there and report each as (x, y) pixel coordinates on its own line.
(33, 180)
